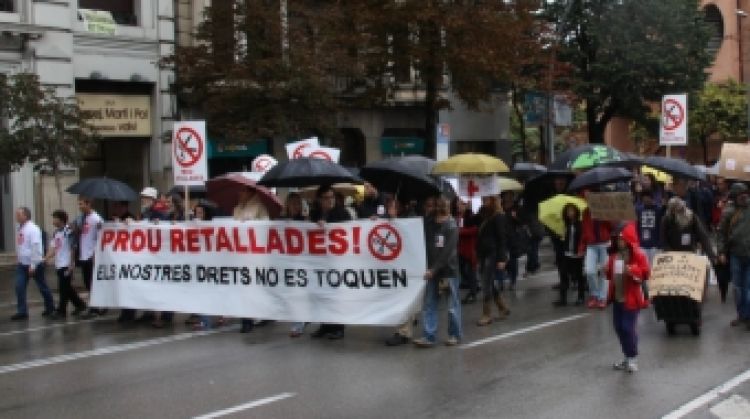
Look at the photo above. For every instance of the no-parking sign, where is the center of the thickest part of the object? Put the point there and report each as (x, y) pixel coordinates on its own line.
(189, 153)
(325, 153)
(673, 126)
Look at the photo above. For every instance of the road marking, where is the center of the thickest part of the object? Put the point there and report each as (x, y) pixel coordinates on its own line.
(735, 407)
(52, 326)
(107, 350)
(522, 331)
(246, 406)
(708, 397)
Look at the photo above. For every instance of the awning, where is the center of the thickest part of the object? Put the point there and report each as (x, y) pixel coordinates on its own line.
(228, 149)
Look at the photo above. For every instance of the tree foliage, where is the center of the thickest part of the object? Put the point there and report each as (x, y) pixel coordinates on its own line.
(625, 54)
(718, 110)
(44, 129)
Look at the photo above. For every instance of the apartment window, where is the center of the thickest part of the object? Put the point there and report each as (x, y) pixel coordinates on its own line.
(123, 11)
(7, 6)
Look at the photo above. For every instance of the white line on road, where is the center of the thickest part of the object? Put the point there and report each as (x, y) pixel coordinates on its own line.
(246, 406)
(522, 331)
(708, 397)
(107, 350)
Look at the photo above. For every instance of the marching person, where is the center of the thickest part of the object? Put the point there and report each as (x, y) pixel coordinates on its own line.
(467, 249)
(572, 258)
(61, 251)
(734, 249)
(87, 228)
(595, 238)
(518, 238)
(176, 213)
(326, 211)
(626, 268)
(441, 236)
(30, 253)
(249, 208)
(294, 211)
(492, 253)
(683, 231)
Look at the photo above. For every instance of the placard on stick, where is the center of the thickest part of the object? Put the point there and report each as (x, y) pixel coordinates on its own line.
(678, 274)
(735, 161)
(611, 206)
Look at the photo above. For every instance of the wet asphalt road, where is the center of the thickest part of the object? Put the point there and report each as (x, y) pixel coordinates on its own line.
(542, 362)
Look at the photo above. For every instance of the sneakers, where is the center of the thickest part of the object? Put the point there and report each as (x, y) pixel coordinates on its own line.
(452, 341)
(423, 343)
(601, 305)
(628, 365)
(591, 303)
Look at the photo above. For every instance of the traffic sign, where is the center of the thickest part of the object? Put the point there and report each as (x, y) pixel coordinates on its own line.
(189, 156)
(673, 126)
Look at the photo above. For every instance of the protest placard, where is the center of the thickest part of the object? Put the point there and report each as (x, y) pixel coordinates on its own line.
(735, 161)
(611, 206)
(678, 274)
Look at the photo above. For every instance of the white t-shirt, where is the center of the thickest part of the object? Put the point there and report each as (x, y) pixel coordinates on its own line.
(61, 243)
(89, 232)
(29, 244)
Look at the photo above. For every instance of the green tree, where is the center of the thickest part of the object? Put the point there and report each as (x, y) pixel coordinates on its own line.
(44, 129)
(625, 54)
(719, 109)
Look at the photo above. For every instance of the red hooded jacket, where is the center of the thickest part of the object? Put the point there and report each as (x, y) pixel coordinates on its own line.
(594, 231)
(637, 271)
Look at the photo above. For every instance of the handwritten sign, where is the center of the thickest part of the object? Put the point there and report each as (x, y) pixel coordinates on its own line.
(735, 161)
(611, 206)
(678, 274)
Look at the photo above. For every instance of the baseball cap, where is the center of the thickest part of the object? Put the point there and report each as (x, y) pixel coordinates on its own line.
(150, 192)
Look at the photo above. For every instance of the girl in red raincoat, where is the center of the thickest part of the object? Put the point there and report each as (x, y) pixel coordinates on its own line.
(626, 269)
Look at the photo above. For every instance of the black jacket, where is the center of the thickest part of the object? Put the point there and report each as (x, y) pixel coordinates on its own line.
(492, 238)
(336, 215)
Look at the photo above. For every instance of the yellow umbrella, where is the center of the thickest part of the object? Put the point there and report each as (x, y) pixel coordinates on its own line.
(506, 184)
(658, 174)
(550, 211)
(470, 163)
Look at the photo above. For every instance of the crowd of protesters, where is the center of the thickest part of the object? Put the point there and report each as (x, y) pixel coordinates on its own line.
(603, 262)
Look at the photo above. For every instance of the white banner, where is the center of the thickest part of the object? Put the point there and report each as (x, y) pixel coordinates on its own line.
(477, 186)
(189, 153)
(300, 148)
(363, 272)
(673, 127)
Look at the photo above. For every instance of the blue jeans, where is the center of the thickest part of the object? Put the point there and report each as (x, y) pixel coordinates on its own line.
(625, 322)
(430, 309)
(22, 281)
(740, 273)
(596, 256)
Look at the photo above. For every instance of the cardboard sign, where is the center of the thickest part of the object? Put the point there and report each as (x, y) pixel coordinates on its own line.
(611, 206)
(678, 274)
(735, 161)
(189, 153)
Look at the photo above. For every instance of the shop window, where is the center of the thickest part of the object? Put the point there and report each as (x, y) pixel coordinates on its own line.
(7, 6)
(124, 12)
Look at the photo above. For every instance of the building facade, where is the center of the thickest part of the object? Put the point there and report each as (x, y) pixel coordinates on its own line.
(108, 54)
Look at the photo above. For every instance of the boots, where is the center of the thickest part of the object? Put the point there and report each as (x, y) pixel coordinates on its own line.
(501, 307)
(486, 318)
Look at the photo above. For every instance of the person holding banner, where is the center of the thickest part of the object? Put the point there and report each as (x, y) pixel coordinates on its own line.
(294, 211)
(441, 237)
(87, 228)
(683, 231)
(326, 211)
(492, 253)
(249, 207)
(626, 268)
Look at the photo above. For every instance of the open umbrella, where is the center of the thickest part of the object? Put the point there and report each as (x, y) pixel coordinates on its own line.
(306, 171)
(345, 189)
(629, 161)
(600, 176)
(224, 191)
(550, 211)
(675, 167)
(586, 157)
(507, 184)
(395, 175)
(470, 163)
(527, 170)
(658, 174)
(103, 188)
(543, 187)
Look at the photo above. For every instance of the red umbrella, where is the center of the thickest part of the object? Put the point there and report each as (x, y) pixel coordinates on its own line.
(224, 191)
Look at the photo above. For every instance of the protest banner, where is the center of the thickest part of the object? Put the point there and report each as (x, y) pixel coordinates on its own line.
(611, 206)
(678, 274)
(363, 272)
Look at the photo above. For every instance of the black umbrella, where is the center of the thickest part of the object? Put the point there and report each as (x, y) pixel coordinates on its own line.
(600, 176)
(527, 170)
(398, 176)
(542, 187)
(586, 157)
(302, 172)
(629, 161)
(103, 188)
(675, 167)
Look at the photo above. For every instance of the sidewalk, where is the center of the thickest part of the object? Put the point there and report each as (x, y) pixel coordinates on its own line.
(7, 259)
